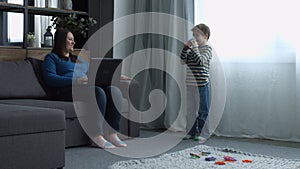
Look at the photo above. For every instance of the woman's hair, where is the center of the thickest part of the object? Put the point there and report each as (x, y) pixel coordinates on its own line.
(59, 47)
(204, 28)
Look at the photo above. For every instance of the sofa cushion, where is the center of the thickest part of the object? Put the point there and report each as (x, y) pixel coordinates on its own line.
(66, 106)
(18, 80)
(15, 120)
(37, 67)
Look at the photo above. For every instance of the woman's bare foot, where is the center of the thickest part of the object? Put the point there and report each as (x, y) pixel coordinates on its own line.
(114, 139)
(102, 143)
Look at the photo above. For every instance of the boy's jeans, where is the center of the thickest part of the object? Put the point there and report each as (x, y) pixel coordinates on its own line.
(198, 107)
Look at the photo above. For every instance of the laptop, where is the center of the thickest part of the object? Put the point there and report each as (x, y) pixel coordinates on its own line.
(104, 71)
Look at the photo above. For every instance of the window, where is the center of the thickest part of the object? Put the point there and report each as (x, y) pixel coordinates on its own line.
(15, 24)
(42, 22)
(251, 30)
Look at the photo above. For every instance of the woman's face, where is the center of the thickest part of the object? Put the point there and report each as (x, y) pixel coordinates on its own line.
(70, 42)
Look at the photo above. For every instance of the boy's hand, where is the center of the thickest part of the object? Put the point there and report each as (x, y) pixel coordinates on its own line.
(189, 44)
(194, 43)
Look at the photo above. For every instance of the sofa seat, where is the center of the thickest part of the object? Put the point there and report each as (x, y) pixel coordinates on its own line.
(23, 120)
(43, 131)
(75, 135)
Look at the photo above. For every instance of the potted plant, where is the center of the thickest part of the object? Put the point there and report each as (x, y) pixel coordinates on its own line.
(77, 25)
(30, 39)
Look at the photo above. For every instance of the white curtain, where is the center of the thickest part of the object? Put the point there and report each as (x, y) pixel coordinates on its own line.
(258, 46)
(42, 22)
(151, 50)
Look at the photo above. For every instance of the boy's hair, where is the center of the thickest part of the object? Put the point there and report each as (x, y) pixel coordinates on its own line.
(204, 28)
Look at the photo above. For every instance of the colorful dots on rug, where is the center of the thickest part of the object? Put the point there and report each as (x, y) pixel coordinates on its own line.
(220, 162)
(247, 161)
(204, 153)
(226, 159)
(210, 159)
(229, 159)
(198, 155)
(194, 155)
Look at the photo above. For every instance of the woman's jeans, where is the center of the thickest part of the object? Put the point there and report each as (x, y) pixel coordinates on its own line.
(109, 102)
(198, 107)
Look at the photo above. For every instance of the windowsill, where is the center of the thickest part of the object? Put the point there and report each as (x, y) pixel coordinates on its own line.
(48, 48)
(11, 47)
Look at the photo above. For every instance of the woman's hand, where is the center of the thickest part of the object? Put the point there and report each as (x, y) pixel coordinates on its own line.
(124, 77)
(82, 80)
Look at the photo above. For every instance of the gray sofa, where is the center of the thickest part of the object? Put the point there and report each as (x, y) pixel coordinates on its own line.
(30, 136)
(30, 116)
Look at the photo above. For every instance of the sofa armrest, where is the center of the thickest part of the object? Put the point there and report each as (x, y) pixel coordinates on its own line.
(130, 90)
(126, 87)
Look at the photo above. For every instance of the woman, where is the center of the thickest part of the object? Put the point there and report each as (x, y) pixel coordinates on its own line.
(59, 73)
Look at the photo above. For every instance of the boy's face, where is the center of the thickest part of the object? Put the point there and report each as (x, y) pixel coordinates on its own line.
(200, 38)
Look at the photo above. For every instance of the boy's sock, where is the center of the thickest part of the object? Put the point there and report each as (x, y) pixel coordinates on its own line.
(199, 138)
(189, 136)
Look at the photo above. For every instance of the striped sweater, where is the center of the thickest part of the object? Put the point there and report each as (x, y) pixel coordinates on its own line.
(198, 62)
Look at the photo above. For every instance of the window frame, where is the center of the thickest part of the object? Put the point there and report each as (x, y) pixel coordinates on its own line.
(4, 28)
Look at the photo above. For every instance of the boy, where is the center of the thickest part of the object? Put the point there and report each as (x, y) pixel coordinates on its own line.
(197, 54)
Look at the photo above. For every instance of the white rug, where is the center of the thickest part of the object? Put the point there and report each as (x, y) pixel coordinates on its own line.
(183, 160)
